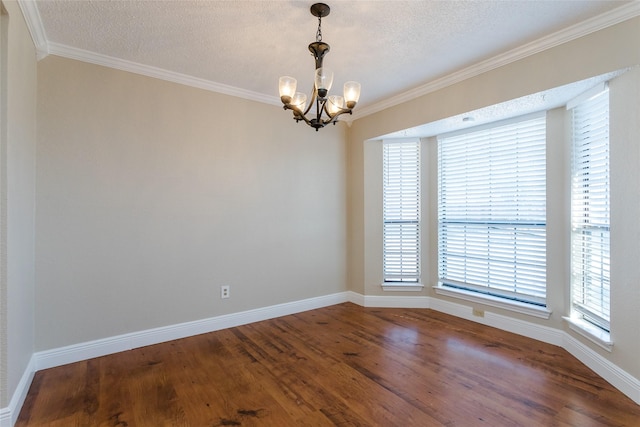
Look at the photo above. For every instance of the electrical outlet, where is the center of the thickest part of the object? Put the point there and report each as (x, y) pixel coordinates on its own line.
(224, 292)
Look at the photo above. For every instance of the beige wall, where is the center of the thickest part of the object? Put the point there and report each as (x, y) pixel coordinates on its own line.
(625, 224)
(17, 190)
(608, 50)
(151, 195)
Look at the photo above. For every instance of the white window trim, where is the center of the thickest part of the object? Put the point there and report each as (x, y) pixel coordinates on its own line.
(412, 283)
(402, 287)
(493, 301)
(597, 334)
(591, 332)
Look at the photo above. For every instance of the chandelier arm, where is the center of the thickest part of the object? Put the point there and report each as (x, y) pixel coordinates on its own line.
(334, 118)
(297, 113)
(297, 118)
(314, 96)
(338, 113)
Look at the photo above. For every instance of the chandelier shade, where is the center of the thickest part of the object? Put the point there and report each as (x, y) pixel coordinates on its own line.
(322, 108)
(299, 100)
(287, 88)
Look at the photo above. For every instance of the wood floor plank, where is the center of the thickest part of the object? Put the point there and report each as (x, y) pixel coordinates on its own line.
(342, 365)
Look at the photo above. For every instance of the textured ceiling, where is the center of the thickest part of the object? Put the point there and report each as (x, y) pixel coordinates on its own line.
(390, 47)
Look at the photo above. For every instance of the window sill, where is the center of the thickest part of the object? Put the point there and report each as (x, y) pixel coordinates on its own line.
(402, 287)
(493, 301)
(591, 332)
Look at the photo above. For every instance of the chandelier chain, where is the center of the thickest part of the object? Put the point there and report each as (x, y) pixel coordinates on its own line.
(319, 33)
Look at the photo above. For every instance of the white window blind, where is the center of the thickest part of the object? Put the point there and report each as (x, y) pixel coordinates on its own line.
(590, 209)
(492, 210)
(401, 211)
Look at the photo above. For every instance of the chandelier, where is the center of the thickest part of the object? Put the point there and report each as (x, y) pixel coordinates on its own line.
(327, 108)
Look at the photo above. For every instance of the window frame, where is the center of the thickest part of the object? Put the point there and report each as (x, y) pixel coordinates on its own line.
(530, 304)
(593, 144)
(401, 214)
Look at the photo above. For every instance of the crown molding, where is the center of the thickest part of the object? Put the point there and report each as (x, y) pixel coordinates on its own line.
(44, 48)
(615, 16)
(159, 73)
(36, 29)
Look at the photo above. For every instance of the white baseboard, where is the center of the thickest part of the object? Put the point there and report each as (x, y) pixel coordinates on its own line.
(356, 298)
(9, 415)
(102, 347)
(620, 379)
(617, 377)
(506, 323)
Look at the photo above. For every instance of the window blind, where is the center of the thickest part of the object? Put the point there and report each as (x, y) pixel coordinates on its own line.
(401, 211)
(492, 210)
(590, 257)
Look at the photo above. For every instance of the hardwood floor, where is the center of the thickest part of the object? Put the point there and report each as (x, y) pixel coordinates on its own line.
(343, 365)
